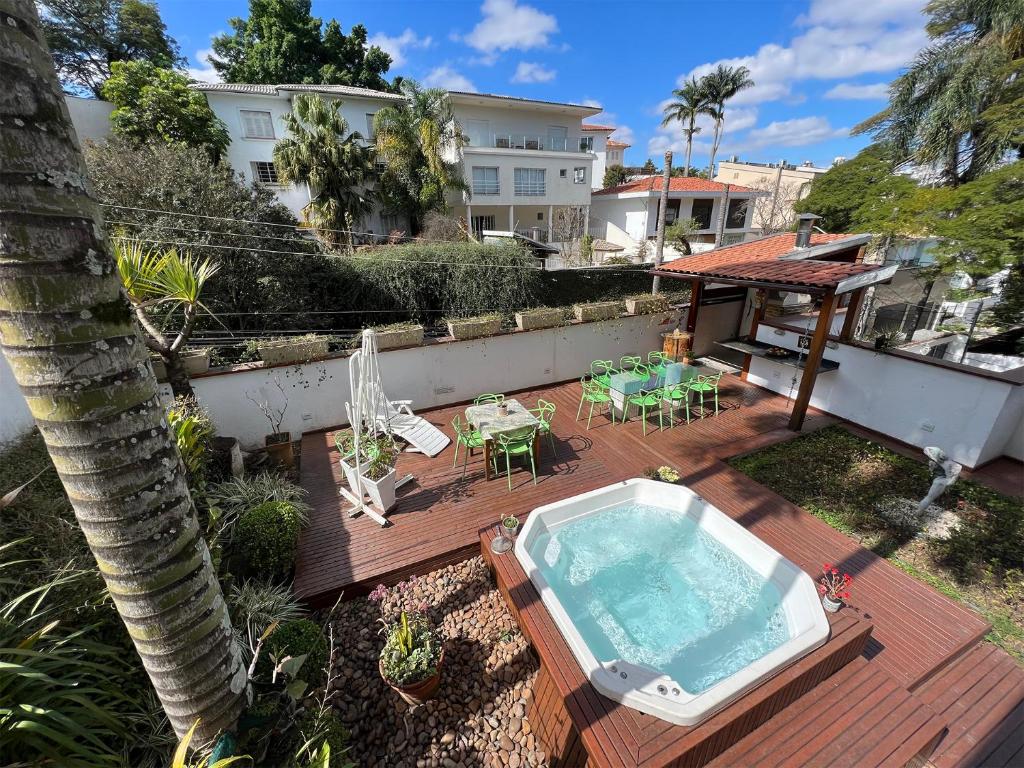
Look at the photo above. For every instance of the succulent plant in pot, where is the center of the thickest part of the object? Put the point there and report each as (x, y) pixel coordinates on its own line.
(413, 653)
(510, 525)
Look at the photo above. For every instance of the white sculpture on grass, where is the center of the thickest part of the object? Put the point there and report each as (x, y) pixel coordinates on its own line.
(944, 471)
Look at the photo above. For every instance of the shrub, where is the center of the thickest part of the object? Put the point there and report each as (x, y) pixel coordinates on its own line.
(990, 532)
(228, 500)
(295, 638)
(266, 538)
(192, 430)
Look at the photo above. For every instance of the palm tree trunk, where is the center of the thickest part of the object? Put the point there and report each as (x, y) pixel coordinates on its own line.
(689, 148)
(714, 147)
(70, 337)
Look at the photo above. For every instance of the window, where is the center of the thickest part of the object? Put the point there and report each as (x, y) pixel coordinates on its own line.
(264, 173)
(586, 143)
(563, 173)
(369, 127)
(732, 239)
(257, 125)
(480, 223)
(485, 181)
(579, 175)
(736, 214)
(529, 181)
(702, 212)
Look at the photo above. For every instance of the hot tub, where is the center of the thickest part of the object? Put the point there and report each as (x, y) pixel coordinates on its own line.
(668, 605)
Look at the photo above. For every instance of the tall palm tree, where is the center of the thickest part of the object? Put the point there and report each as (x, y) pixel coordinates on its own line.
(419, 141)
(320, 151)
(691, 101)
(719, 86)
(71, 339)
(936, 113)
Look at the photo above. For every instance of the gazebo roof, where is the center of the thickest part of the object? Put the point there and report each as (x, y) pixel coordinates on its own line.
(776, 261)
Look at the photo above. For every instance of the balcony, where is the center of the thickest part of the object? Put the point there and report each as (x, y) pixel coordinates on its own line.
(534, 142)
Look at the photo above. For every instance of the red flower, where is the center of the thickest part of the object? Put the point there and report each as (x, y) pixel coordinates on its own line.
(826, 567)
(847, 578)
(821, 589)
(835, 571)
(846, 595)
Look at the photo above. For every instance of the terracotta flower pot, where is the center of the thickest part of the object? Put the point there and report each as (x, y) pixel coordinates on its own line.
(416, 693)
(280, 449)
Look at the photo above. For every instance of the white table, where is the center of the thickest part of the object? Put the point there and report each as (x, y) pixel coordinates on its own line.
(486, 420)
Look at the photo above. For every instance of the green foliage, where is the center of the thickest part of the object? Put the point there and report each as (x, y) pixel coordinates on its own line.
(990, 533)
(320, 151)
(648, 168)
(230, 499)
(692, 101)
(411, 650)
(86, 37)
(299, 637)
(281, 42)
(717, 87)
(1010, 309)
(155, 103)
(614, 175)
(192, 430)
(586, 248)
(679, 233)
(266, 538)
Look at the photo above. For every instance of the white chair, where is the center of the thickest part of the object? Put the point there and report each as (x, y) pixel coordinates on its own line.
(396, 418)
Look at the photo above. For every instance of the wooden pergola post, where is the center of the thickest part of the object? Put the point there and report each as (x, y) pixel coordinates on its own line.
(814, 355)
(852, 311)
(696, 289)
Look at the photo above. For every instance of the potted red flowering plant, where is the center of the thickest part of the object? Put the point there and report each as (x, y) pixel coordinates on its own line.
(413, 653)
(833, 588)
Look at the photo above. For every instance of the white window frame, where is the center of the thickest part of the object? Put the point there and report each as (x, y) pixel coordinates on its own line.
(369, 136)
(265, 172)
(529, 182)
(245, 121)
(485, 185)
(586, 143)
(579, 175)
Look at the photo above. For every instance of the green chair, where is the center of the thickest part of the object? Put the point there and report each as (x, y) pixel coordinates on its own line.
(658, 362)
(488, 398)
(674, 395)
(629, 362)
(594, 394)
(544, 412)
(466, 436)
(704, 384)
(516, 442)
(602, 371)
(642, 371)
(644, 399)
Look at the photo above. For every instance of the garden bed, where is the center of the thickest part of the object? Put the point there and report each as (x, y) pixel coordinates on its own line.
(847, 481)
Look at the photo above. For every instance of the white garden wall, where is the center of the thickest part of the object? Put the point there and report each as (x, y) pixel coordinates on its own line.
(973, 418)
(432, 375)
(15, 419)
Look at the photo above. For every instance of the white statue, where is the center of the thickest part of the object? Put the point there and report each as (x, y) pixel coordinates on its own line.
(944, 471)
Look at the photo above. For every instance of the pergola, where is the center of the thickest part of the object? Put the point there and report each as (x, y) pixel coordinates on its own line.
(826, 266)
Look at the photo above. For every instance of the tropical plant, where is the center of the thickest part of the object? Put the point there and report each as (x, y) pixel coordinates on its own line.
(298, 637)
(719, 86)
(158, 104)
(70, 338)
(415, 140)
(256, 605)
(614, 175)
(680, 232)
(691, 101)
(228, 500)
(192, 430)
(333, 162)
(181, 754)
(86, 37)
(266, 538)
(164, 280)
(282, 42)
(412, 650)
(938, 113)
(648, 168)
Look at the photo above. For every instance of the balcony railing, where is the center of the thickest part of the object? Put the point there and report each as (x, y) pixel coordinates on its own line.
(527, 141)
(486, 188)
(529, 188)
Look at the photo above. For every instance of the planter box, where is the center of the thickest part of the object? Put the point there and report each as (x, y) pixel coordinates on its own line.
(598, 310)
(289, 351)
(196, 361)
(535, 319)
(402, 337)
(473, 328)
(646, 305)
(381, 492)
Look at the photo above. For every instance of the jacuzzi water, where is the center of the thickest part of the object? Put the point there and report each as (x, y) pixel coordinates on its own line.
(668, 605)
(646, 585)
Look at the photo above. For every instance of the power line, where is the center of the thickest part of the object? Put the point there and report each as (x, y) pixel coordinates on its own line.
(211, 232)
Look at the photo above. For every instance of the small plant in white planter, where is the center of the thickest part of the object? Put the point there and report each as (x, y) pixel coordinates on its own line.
(510, 526)
(833, 588)
(380, 454)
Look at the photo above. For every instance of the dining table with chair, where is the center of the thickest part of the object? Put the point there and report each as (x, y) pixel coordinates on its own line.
(504, 424)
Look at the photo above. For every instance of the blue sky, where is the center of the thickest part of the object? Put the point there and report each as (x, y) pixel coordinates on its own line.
(820, 66)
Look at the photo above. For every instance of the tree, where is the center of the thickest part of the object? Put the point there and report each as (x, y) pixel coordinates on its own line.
(720, 86)
(86, 37)
(281, 42)
(691, 101)
(320, 151)
(936, 113)
(648, 168)
(694, 173)
(415, 140)
(155, 103)
(680, 232)
(773, 209)
(70, 338)
(613, 176)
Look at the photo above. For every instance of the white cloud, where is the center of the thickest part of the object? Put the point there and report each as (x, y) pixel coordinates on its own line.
(530, 72)
(203, 71)
(447, 78)
(853, 91)
(625, 134)
(798, 132)
(507, 25)
(396, 45)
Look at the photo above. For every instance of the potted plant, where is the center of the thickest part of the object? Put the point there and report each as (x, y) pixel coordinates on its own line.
(646, 304)
(299, 349)
(413, 653)
(510, 526)
(462, 328)
(663, 474)
(833, 588)
(196, 360)
(399, 335)
(379, 456)
(278, 443)
(596, 310)
(541, 317)
(887, 337)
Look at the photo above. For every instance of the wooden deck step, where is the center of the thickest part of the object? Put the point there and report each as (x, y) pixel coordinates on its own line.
(860, 718)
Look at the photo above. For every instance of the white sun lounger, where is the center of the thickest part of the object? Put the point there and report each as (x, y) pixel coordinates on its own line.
(396, 418)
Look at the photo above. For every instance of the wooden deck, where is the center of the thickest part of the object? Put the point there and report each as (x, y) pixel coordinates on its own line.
(917, 632)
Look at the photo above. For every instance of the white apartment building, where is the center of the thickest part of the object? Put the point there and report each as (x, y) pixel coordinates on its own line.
(607, 151)
(783, 183)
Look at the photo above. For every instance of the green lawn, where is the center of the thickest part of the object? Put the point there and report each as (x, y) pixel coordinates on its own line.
(839, 478)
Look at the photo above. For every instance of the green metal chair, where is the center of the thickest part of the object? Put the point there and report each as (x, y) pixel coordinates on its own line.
(658, 362)
(594, 394)
(629, 362)
(602, 371)
(644, 399)
(544, 412)
(703, 384)
(488, 398)
(642, 370)
(517, 442)
(674, 395)
(466, 436)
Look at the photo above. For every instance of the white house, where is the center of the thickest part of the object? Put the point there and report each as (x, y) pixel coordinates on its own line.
(607, 151)
(628, 214)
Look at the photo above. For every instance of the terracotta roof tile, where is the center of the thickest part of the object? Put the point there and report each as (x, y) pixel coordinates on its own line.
(592, 127)
(676, 184)
(617, 144)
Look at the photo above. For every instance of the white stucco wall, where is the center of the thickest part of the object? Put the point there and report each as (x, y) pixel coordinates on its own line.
(15, 419)
(558, 190)
(970, 417)
(432, 375)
